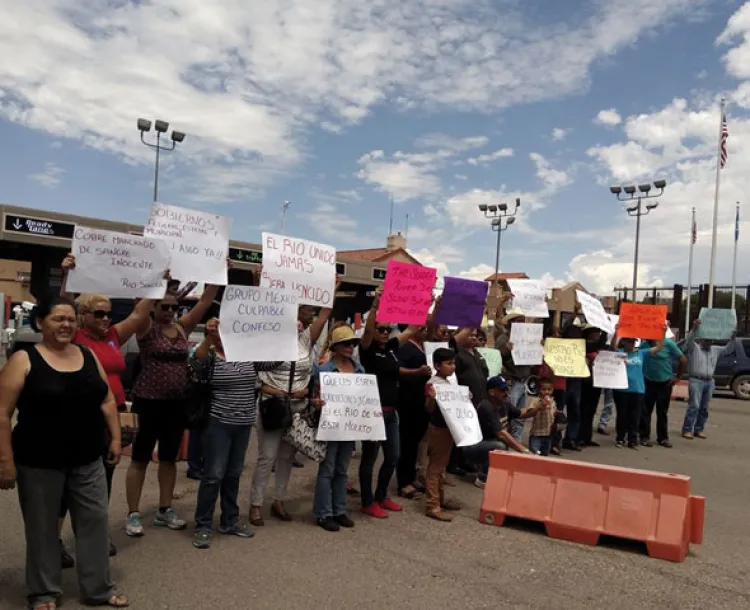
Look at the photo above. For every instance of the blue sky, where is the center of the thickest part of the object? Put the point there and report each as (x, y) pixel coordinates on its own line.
(337, 105)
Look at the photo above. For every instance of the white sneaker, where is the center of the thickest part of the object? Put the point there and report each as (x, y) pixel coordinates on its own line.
(170, 520)
(133, 525)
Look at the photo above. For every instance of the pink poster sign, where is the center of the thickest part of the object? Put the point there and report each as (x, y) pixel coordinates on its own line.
(407, 293)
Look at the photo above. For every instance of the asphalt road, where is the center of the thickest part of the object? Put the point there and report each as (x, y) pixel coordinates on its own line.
(410, 561)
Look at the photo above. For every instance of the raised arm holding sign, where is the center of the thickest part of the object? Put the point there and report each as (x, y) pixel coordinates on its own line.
(594, 312)
(530, 297)
(716, 324)
(639, 321)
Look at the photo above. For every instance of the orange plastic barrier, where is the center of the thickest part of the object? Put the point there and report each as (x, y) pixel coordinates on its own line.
(580, 502)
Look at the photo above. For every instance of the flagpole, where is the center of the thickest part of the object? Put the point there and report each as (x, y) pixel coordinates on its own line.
(734, 262)
(712, 267)
(690, 274)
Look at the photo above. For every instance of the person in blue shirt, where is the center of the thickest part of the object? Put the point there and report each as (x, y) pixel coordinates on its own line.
(629, 402)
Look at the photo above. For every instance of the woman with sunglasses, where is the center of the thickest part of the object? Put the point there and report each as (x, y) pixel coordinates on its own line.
(377, 353)
(158, 393)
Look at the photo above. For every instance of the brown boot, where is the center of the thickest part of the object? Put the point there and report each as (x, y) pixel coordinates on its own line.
(438, 515)
(449, 504)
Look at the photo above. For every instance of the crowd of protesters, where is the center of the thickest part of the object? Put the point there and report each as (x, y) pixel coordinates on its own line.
(68, 439)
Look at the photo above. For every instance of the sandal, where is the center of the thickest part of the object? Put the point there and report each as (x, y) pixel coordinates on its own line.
(410, 493)
(45, 606)
(115, 601)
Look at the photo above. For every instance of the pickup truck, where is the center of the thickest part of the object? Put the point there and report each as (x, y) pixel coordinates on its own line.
(733, 368)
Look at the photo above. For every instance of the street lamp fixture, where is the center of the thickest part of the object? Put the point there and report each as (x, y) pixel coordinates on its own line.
(160, 127)
(628, 193)
(497, 214)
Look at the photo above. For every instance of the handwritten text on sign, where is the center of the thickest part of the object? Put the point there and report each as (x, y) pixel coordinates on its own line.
(594, 312)
(639, 321)
(118, 264)
(407, 293)
(493, 358)
(527, 344)
(305, 268)
(460, 415)
(258, 324)
(199, 242)
(530, 297)
(718, 324)
(352, 411)
(610, 370)
(566, 357)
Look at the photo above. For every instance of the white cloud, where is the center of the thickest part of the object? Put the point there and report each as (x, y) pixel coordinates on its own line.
(608, 117)
(553, 179)
(402, 178)
(600, 271)
(51, 176)
(559, 134)
(461, 177)
(478, 272)
(253, 83)
(737, 60)
(333, 225)
(488, 158)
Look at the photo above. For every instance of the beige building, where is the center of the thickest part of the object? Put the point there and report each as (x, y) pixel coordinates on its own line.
(15, 279)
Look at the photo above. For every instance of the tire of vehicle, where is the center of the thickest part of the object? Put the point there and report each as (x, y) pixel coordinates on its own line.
(741, 387)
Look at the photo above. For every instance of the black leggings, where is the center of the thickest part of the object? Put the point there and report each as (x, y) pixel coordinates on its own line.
(628, 405)
(413, 422)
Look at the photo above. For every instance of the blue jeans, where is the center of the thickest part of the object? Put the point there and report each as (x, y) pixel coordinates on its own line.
(573, 409)
(195, 453)
(479, 454)
(224, 449)
(540, 444)
(699, 395)
(609, 404)
(370, 450)
(330, 487)
(517, 397)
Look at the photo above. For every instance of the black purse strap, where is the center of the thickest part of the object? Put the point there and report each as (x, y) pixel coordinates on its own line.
(292, 366)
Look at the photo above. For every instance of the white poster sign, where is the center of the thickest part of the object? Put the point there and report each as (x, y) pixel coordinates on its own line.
(258, 324)
(352, 411)
(460, 415)
(610, 370)
(528, 349)
(199, 242)
(118, 265)
(594, 312)
(614, 319)
(530, 297)
(429, 350)
(305, 268)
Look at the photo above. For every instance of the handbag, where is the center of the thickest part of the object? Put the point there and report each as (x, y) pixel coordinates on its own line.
(275, 411)
(198, 395)
(301, 435)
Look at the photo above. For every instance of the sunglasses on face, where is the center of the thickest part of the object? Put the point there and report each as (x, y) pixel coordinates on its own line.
(348, 344)
(384, 329)
(166, 308)
(100, 314)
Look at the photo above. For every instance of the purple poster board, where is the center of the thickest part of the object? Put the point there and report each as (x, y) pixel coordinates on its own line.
(462, 303)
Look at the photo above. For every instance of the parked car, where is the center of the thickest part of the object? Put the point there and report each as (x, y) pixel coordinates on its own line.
(733, 368)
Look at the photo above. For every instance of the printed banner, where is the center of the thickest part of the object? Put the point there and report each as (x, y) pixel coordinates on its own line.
(530, 297)
(258, 324)
(594, 312)
(429, 350)
(199, 242)
(118, 265)
(566, 357)
(716, 324)
(610, 370)
(460, 415)
(527, 344)
(305, 268)
(493, 358)
(639, 321)
(407, 294)
(352, 411)
(462, 303)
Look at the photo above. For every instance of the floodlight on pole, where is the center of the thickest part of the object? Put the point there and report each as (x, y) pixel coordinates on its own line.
(160, 127)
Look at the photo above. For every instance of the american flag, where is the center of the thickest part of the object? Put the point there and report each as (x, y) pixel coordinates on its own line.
(724, 136)
(695, 231)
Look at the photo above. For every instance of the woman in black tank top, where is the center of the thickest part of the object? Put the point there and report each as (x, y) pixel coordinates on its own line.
(54, 452)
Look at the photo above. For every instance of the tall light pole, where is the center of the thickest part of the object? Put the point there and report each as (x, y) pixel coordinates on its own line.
(284, 208)
(161, 127)
(498, 213)
(631, 193)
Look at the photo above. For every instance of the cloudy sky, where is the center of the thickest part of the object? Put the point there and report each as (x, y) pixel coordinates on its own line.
(443, 105)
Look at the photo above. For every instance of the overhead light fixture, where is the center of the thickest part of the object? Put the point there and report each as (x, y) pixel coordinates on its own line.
(161, 126)
(629, 189)
(178, 136)
(482, 207)
(144, 125)
(660, 184)
(615, 190)
(644, 188)
(511, 220)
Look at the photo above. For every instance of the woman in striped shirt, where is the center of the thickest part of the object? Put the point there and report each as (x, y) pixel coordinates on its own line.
(226, 436)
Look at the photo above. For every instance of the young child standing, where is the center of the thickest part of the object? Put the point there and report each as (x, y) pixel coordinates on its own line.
(542, 428)
(439, 439)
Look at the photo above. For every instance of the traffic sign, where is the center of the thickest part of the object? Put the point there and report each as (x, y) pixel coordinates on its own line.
(38, 226)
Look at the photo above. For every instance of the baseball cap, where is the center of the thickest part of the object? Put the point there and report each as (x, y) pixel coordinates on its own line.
(497, 383)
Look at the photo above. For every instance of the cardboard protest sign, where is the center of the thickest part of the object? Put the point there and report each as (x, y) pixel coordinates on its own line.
(639, 321)
(304, 268)
(352, 411)
(407, 293)
(118, 265)
(199, 242)
(493, 358)
(594, 312)
(566, 357)
(716, 324)
(527, 343)
(530, 297)
(258, 324)
(610, 370)
(462, 303)
(429, 350)
(460, 415)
